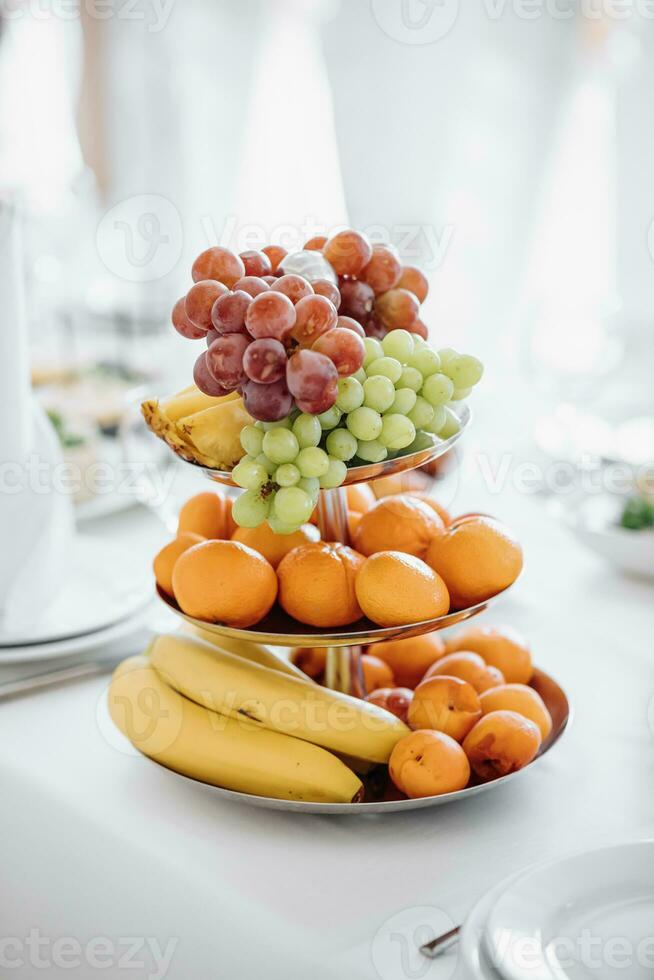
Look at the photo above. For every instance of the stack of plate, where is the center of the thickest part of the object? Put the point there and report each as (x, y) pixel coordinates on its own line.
(586, 917)
(103, 600)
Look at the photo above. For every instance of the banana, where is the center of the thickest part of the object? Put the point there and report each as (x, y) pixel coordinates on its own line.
(255, 652)
(226, 684)
(215, 749)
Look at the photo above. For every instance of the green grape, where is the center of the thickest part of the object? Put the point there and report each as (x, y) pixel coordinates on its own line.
(282, 424)
(310, 485)
(350, 394)
(307, 430)
(405, 399)
(279, 527)
(411, 378)
(451, 426)
(378, 393)
(422, 413)
(267, 464)
(280, 446)
(423, 440)
(359, 375)
(250, 509)
(364, 423)
(251, 439)
(259, 425)
(438, 420)
(371, 451)
(330, 418)
(334, 475)
(437, 389)
(389, 367)
(459, 394)
(398, 344)
(465, 371)
(397, 432)
(293, 506)
(373, 350)
(287, 475)
(249, 474)
(447, 355)
(313, 461)
(341, 444)
(425, 360)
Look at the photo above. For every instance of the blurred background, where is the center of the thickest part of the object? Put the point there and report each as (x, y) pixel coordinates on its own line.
(506, 148)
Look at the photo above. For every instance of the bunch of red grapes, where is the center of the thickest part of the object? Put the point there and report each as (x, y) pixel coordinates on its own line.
(282, 340)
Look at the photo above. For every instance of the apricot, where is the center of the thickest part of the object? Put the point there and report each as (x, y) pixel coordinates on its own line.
(400, 523)
(521, 699)
(446, 704)
(500, 646)
(166, 559)
(428, 763)
(360, 497)
(469, 667)
(393, 699)
(410, 659)
(206, 514)
(501, 743)
(310, 660)
(376, 673)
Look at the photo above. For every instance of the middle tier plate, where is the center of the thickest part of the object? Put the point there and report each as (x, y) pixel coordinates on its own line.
(279, 629)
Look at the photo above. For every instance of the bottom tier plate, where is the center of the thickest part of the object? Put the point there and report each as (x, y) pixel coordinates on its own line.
(553, 696)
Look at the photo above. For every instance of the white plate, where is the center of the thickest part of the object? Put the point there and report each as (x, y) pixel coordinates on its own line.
(585, 917)
(80, 644)
(471, 945)
(104, 586)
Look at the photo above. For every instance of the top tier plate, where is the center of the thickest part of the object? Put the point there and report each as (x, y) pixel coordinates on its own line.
(373, 471)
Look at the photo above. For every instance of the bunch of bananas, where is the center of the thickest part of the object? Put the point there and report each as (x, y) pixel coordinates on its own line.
(199, 428)
(242, 718)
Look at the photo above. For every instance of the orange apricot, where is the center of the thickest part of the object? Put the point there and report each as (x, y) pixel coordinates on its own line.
(446, 704)
(500, 743)
(469, 667)
(500, 646)
(410, 659)
(521, 699)
(428, 763)
(376, 673)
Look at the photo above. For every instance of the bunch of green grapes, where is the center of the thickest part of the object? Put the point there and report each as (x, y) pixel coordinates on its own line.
(398, 401)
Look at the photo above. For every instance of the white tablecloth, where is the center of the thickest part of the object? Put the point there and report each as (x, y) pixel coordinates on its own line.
(101, 846)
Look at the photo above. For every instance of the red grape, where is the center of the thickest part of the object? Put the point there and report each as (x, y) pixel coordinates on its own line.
(182, 324)
(326, 288)
(270, 314)
(349, 324)
(295, 287)
(228, 313)
(315, 244)
(206, 381)
(420, 328)
(348, 252)
(375, 328)
(225, 360)
(275, 255)
(252, 285)
(313, 379)
(315, 316)
(218, 263)
(397, 308)
(265, 361)
(384, 269)
(200, 299)
(269, 280)
(357, 299)
(415, 281)
(210, 336)
(256, 263)
(268, 403)
(343, 348)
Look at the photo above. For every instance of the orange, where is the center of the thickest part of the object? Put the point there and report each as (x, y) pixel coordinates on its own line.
(428, 763)
(401, 523)
(376, 673)
(395, 589)
(469, 667)
(476, 559)
(311, 660)
(204, 514)
(230, 523)
(316, 584)
(447, 704)
(359, 497)
(353, 521)
(410, 659)
(521, 699)
(500, 646)
(444, 514)
(165, 561)
(502, 742)
(273, 546)
(407, 482)
(224, 582)
(393, 699)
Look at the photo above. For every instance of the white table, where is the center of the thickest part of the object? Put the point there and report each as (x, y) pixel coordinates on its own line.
(100, 845)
